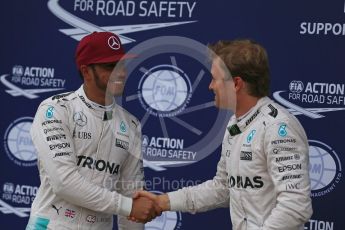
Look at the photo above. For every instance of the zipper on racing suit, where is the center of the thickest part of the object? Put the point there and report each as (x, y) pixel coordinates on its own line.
(245, 218)
(96, 157)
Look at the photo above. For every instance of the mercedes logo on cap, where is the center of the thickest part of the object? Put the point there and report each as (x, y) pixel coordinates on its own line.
(114, 43)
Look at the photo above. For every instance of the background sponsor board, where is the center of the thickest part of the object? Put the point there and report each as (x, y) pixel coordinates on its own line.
(181, 128)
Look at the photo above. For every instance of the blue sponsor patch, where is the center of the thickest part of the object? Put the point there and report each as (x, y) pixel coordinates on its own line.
(251, 136)
(50, 112)
(37, 223)
(282, 130)
(123, 127)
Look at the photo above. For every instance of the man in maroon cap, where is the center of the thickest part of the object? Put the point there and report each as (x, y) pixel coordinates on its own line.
(89, 148)
(96, 56)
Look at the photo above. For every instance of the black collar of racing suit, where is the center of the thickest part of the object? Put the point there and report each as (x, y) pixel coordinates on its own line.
(237, 126)
(101, 111)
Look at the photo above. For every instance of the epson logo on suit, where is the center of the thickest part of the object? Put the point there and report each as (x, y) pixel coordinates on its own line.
(290, 167)
(59, 146)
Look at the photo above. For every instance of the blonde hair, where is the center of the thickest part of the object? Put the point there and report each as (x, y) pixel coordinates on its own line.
(248, 60)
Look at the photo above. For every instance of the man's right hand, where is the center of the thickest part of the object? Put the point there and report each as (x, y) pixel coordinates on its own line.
(162, 201)
(160, 204)
(144, 209)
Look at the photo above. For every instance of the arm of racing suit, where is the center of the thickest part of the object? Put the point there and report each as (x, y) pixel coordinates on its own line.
(59, 161)
(290, 176)
(209, 195)
(132, 178)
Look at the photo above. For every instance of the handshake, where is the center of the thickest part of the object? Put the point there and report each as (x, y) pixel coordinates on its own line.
(147, 206)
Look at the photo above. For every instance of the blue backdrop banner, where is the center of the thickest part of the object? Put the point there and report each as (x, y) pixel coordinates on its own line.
(183, 132)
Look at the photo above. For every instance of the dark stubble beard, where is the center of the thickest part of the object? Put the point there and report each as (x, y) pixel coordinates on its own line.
(104, 88)
(98, 82)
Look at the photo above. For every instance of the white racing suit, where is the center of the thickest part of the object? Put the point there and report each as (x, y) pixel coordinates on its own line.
(263, 173)
(89, 161)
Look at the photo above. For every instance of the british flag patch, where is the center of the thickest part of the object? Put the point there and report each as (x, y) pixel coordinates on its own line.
(70, 213)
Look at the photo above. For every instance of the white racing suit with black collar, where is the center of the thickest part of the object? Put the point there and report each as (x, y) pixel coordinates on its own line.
(90, 163)
(263, 173)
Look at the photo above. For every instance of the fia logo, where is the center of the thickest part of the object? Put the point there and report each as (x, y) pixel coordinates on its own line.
(296, 86)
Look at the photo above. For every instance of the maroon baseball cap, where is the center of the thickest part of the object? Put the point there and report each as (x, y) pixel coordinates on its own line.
(100, 47)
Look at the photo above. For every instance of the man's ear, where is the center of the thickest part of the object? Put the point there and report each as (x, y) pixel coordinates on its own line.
(86, 72)
(239, 83)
